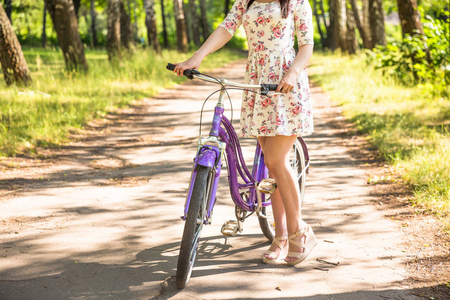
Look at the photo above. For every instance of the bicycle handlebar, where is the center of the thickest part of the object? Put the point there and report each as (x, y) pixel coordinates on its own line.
(190, 73)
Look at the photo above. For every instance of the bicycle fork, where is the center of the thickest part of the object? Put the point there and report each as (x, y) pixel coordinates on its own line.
(209, 154)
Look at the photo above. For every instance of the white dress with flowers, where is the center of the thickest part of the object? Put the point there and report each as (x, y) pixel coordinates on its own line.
(270, 42)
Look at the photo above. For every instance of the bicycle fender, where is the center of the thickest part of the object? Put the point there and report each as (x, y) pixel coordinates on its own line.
(208, 157)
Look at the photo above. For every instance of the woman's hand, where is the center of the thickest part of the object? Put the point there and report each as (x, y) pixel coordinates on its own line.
(192, 63)
(287, 83)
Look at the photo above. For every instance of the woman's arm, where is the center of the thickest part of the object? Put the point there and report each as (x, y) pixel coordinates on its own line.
(289, 79)
(215, 41)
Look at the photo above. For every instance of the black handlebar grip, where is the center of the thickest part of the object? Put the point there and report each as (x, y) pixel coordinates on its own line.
(189, 73)
(265, 88)
(170, 67)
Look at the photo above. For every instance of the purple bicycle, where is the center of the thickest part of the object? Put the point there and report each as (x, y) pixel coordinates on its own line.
(250, 194)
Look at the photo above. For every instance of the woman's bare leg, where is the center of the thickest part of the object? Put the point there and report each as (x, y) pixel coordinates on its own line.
(278, 211)
(288, 210)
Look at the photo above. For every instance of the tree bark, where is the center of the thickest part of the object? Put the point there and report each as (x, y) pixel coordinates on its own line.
(94, 42)
(182, 40)
(113, 36)
(187, 22)
(163, 15)
(409, 17)
(376, 21)
(65, 24)
(338, 24)
(195, 23)
(204, 20)
(351, 41)
(8, 9)
(14, 65)
(150, 23)
(334, 28)
(359, 24)
(366, 24)
(76, 5)
(126, 33)
(44, 26)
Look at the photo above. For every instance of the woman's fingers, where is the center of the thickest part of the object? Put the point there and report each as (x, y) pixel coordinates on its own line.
(284, 87)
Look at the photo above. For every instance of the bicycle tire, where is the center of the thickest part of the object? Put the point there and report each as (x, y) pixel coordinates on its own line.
(297, 163)
(192, 228)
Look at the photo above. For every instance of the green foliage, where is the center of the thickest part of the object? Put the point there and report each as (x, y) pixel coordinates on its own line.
(409, 129)
(419, 59)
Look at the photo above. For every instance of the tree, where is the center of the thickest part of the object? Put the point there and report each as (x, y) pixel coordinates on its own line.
(350, 38)
(126, 33)
(182, 40)
(195, 24)
(76, 5)
(8, 9)
(14, 65)
(150, 22)
(113, 37)
(319, 26)
(163, 16)
(93, 25)
(204, 20)
(338, 24)
(65, 24)
(359, 24)
(409, 17)
(44, 26)
(376, 21)
(226, 7)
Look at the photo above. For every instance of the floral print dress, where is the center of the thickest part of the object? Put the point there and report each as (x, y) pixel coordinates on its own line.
(270, 42)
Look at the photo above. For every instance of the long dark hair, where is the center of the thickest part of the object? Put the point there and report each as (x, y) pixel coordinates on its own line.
(284, 7)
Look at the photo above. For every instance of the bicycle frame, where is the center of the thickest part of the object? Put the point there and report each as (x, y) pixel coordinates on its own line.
(222, 141)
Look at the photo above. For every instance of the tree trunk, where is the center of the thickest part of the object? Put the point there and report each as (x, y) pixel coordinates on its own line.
(366, 24)
(126, 33)
(94, 42)
(113, 37)
(150, 23)
(226, 7)
(182, 40)
(319, 27)
(376, 21)
(14, 65)
(76, 5)
(338, 24)
(8, 9)
(163, 15)
(187, 22)
(65, 24)
(195, 23)
(359, 24)
(44, 26)
(135, 26)
(351, 41)
(334, 28)
(204, 20)
(409, 17)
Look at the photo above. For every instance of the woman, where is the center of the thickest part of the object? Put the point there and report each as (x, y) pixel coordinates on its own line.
(277, 120)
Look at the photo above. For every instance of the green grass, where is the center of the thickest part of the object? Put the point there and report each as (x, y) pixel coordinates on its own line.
(410, 128)
(59, 102)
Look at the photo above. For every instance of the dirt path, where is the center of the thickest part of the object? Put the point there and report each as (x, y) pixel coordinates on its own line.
(99, 218)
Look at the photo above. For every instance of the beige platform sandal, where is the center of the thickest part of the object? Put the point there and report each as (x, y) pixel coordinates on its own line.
(272, 257)
(307, 242)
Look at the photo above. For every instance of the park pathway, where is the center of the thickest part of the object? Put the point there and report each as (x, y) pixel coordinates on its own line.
(102, 221)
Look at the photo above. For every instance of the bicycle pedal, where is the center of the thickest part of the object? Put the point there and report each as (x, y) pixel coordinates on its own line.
(267, 186)
(230, 228)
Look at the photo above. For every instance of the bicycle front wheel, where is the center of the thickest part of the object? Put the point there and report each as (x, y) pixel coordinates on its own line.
(193, 227)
